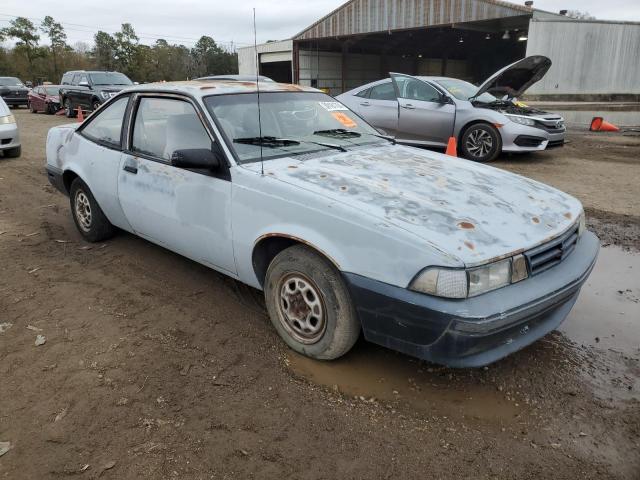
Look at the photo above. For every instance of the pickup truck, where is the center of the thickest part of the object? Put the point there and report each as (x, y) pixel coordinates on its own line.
(89, 90)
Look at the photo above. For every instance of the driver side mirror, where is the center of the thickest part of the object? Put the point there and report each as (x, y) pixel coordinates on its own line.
(199, 158)
(445, 100)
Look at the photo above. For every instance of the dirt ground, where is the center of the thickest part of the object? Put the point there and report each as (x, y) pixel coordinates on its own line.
(156, 367)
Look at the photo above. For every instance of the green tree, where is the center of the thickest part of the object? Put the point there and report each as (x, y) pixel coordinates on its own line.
(26, 34)
(104, 50)
(58, 38)
(210, 59)
(126, 48)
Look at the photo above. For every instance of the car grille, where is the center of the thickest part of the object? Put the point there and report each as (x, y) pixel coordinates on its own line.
(551, 125)
(552, 253)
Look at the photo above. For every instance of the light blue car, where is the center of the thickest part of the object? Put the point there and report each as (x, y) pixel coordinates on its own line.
(345, 232)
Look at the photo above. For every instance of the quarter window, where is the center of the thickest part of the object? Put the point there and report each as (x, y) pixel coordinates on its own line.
(106, 127)
(383, 91)
(164, 125)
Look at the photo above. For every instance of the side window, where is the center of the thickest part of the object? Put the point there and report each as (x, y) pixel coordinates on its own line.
(363, 93)
(384, 91)
(164, 125)
(76, 79)
(106, 126)
(414, 89)
(83, 78)
(66, 79)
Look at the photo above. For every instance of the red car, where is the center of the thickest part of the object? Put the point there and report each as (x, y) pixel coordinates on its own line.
(45, 98)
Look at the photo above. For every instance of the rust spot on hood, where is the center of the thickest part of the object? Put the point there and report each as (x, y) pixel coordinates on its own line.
(343, 188)
(466, 225)
(568, 215)
(469, 245)
(292, 166)
(535, 220)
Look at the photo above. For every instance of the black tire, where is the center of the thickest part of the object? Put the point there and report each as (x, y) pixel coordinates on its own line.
(68, 108)
(51, 109)
(481, 142)
(314, 289)
(89, 218)
(13, 152)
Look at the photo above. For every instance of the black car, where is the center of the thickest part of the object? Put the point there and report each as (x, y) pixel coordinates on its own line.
(89, 90)
(13, 91)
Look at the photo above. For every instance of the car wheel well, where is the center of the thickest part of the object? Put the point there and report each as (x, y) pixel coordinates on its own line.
(266, 249)
(470, 124)
(67, 178)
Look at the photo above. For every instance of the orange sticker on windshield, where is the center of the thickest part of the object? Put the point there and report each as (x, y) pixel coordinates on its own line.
(344, 120)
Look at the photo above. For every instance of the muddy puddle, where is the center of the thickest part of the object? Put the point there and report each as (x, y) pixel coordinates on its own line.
(606, 319)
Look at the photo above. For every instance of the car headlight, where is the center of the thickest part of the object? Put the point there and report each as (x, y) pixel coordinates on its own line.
(582, 225)
(463, 283)
(521, 120)
(7, 119)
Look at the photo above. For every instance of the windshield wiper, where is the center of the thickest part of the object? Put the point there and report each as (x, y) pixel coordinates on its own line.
(343, 133)
(274, 142)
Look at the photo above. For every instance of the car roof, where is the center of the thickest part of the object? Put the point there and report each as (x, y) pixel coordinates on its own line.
(247, 78)
(202, 88)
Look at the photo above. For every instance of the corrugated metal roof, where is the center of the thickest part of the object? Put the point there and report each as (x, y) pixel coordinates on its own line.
(368, 16)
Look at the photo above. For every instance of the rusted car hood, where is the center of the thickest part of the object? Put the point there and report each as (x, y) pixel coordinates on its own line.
(474, 212)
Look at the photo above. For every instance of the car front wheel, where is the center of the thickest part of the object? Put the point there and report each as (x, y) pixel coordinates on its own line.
(68, 108)
(91, 221)
(309, 304)
(13, 152)
(481, 142)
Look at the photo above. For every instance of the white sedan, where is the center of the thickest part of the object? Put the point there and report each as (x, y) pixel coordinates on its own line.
(346, 232)
(9, 136)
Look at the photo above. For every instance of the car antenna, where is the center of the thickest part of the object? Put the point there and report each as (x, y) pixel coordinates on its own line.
(255, 46)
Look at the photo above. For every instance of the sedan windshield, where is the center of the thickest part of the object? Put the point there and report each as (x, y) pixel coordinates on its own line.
(293, 123)
(10, 82)
(110, 78)
(464, 90)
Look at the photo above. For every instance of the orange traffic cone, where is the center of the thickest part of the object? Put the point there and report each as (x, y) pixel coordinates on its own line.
(598, 124)
(80, 115)
(451, 147)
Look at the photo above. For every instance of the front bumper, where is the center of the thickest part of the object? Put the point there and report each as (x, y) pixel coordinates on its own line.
(522, 138)
(475, 331)
(9, 136)
(13, 101)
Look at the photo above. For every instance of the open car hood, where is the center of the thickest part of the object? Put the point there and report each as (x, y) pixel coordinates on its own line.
(513, 80)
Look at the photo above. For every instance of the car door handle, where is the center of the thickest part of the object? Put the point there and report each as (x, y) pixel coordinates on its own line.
(365, 104)
(408, 106)
(130, 169)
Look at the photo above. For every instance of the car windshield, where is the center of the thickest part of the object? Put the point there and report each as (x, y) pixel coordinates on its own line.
(464, 90)
(11, 82)
(54, 91)
(293, 123)
(110, 78)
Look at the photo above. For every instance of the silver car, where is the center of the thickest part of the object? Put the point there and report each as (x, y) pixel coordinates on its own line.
(485, 120)
(9, 137)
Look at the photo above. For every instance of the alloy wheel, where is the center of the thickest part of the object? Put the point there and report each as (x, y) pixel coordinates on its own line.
(479, 143)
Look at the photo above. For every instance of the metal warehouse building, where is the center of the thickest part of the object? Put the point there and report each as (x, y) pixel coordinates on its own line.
(363, 40)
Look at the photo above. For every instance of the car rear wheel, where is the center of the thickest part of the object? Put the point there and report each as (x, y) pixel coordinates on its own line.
(13, 152)
(87, 214)
(68, 108)
(481, 142)
(309, 304)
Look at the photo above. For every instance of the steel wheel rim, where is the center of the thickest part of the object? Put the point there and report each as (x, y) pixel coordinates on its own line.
(301, 308)
(479, 143)
(83, 210)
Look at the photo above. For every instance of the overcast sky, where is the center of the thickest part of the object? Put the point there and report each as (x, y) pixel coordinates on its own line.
(184, 21)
